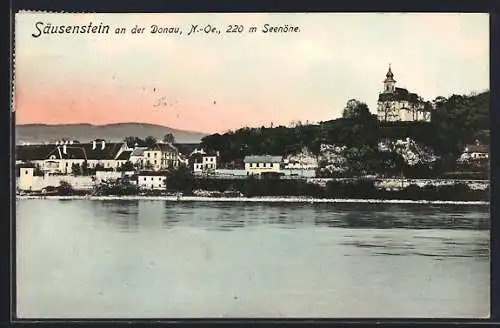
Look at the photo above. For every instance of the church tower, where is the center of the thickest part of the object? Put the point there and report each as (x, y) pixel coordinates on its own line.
(389, 82)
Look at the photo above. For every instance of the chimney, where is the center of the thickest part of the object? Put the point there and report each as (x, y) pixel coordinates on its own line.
(103, 144)
(93, 145)
(64, 149)
(71, 142)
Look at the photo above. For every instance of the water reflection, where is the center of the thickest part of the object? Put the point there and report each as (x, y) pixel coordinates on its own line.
(120, 214)
(130, 215)
(304, 260)
(439, 247)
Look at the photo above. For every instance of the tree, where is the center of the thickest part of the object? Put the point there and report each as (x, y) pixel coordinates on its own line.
(132, 141)
(38, 171)
(75, 169)
(64, 189)
(180, 179)
(169, 138)
(356, 109)
(139, 165)
(84, 168)
(127, 166)
(150, 141)
(360, 160)
(390, 163)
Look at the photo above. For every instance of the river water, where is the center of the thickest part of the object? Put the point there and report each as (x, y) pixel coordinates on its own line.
(158, 259)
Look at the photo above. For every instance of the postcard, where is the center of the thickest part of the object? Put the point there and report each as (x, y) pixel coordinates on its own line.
(252, 165)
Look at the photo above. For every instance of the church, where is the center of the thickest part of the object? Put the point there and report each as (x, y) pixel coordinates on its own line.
(397, 104)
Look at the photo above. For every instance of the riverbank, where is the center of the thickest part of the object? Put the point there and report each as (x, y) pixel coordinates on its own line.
(256, 199)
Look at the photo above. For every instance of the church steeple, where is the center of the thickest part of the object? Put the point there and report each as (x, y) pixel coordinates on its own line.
(389, 81)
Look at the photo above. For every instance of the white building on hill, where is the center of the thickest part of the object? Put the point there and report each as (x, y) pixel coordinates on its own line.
(397, 104)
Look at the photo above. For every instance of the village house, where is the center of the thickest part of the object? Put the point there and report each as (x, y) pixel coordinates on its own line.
(474, 152)
(33, 154)
(152, 180)
(137, 157)
(59, 158)
(123, 158)
(62, 158)
(474, 160)
(161, 156)
(98, 152)
(262, 163)
(203, 162)
(397, 104)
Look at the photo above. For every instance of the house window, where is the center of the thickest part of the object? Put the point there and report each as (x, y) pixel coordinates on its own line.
(151, 179)
(66, 164)
(144, 178)
(155, 161)
(26, 172)
(155, 154)
(148, 154)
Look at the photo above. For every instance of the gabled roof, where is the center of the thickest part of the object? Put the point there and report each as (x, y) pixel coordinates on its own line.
(186, 148)
(263, 159)
(67, 152)
(138, 151)
(164, 147)
(87, 151)
(110, 150)
(27, 153)
(124, 155)
(196, 158)
(399, 94)
(477, 149)
(203, 153)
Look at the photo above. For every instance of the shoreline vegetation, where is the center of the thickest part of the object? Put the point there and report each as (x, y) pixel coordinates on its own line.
(254, 199)
(269, 190)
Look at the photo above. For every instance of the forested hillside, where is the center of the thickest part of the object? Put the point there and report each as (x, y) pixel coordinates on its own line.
(456, 121)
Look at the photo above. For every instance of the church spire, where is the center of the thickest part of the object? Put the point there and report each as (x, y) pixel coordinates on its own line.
(389, 73)
(389, 81)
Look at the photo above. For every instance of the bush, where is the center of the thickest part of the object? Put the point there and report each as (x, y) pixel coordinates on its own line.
(116, 188)
(65, 188)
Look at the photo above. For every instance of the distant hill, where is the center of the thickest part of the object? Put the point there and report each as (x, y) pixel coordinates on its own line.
(39, 133)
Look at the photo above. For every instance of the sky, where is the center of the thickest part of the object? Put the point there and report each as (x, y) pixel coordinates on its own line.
(218, 82)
